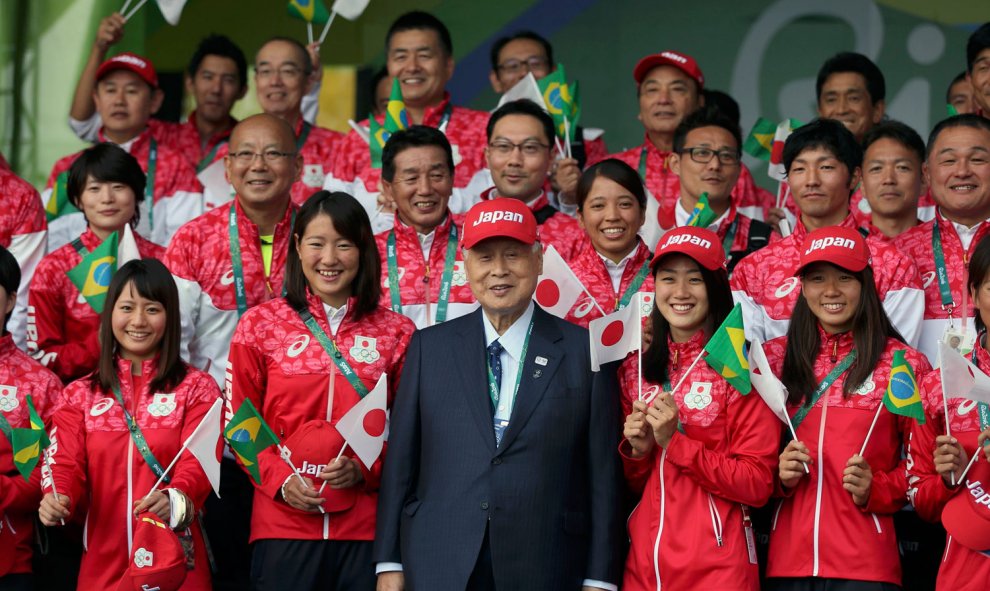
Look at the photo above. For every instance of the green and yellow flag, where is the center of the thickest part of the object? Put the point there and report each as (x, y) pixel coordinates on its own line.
(702, 216)
(59, 204)
(396, 117)
(93, 273)
(902, 396)
(558, 99)
(248, 435)
(727, 352)
(311, 11)
(29, 443)
(759, 143)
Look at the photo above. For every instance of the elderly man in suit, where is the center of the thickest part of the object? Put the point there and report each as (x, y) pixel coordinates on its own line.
(503, 471)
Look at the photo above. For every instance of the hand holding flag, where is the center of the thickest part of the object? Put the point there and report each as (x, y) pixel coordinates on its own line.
(770, 389)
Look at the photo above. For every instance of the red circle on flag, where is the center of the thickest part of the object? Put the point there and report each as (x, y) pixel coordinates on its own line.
(547, 293)
(613, 333)
(364, 344)
(374, 422)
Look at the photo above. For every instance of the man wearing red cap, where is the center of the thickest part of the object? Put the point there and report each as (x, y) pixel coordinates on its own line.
(519, 155)
(823, 162)
(669, 86)
(530, 419)
(423, 274)
(23, 232)
(420, 54)
(126, 95)
(957, 172)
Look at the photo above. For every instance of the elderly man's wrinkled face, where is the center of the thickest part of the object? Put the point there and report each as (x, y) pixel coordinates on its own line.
(502, 273)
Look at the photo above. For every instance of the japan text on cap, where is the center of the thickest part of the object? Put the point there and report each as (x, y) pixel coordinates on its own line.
(701, 244)
(967, 514)
(681, 61)
(131, 62)
(843, 247)
(502, 217)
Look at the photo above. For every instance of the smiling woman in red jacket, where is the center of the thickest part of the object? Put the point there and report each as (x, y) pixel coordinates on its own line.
(833, 527)
(115, 429)
(304, 361)
(107, 185)
(702, 454)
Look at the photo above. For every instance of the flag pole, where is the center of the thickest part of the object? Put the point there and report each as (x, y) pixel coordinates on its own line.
(639, 368)
(976, 455)
(870, 432)
(567, 137)
(687, 372)
(123, 8)
(322, 486)
(323, 35)
(136, 8)
(945, 410)
(309, 31)
(284, 452)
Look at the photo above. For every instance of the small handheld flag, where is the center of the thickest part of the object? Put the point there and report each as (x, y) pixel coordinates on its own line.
(58, 202)
(396, 119)
(248, 435)
(364, 427)
(93, 273)
(902, 396)
(616, 335)
(558, 288)
(727, 352)
(702, 216)
(559, 101)
(759, 143)
(28, 443)
(311, 11)
(785, 128)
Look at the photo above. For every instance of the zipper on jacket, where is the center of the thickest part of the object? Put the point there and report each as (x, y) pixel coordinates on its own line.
(876, 520)
(663, 507)
(818, 486)
(716, 520)
(10, 525)
(776, 514)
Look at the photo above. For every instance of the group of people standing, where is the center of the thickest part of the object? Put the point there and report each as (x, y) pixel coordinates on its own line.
(508, 462)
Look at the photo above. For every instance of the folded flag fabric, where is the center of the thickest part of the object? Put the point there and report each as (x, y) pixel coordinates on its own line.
(558, 288)
(759, 142)
(349, 9)
(767, 385)
(248, 435)
(902, 396)
(702, 216)
(58, 203)
(785, 128)
(28, 443)
(311, 11)
(726, 352)
(171, 10)
(93, 273)
(960, 378)
(396, 119)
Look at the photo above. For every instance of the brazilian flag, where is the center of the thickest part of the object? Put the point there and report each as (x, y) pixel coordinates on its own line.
(248, 435)
(311, 11)
(902, 396)
(759, 143)
(59, 204)
(92, 275)
(396, 117)
(29, 443)
(379, 135)
(702, 216)
(558, 99)
(727, 352)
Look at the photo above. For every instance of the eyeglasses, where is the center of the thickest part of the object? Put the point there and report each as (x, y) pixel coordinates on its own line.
(288, 72)
(705, 155)
(269, 156)
(504, 148)
(532, 64)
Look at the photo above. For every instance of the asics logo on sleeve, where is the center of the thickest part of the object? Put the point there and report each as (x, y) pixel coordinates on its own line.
(101, 406)
(228, 278)
(786, 287)
(298, 346)
(927, 278)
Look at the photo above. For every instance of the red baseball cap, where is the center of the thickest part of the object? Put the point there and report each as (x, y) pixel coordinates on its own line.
(132, 62)
(158, 560)
(967, 514)
(701, 244)
(843, 247)
(502, 217)
(314, 445)
(681, 61)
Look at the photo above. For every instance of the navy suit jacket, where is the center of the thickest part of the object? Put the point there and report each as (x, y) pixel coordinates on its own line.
(549, 494)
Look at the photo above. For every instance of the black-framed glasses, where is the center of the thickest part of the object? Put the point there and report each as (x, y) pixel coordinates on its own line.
(705, 155)
(505, 147)
(245, 157)
(532, 64)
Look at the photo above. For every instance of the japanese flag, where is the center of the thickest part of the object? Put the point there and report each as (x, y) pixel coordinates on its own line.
(769, 387)
(558, 288)
(365, 425)
(349, 9)
(171, 10)
(616, 335)
(960, 378)
(527, 88)
(204, 443)
(127, 249)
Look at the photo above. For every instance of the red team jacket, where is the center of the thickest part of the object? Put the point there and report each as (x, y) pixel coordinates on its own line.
(765, 284)
(178, 196)
(184, 137)
(689, 530)
(94, 457)
(916, 243)
(277, 364)
(200, 260)
(20, 377)
(590, 270)
(62, 326)
(420, 280)
(817, 530)
(24, 232)
(962, 569)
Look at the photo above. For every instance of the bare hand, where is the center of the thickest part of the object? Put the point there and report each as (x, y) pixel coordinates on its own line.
(857, 479)
(564, 178)
(314, 57)
(391, 581)
(981, 441)
(662, 416)
(54, 510)
(342, 473)
(385, 202)
(298, 493)
(791, 465)
(157, 502)
(111, 31)
(774, 215)
(950, 459)
(637, 431)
